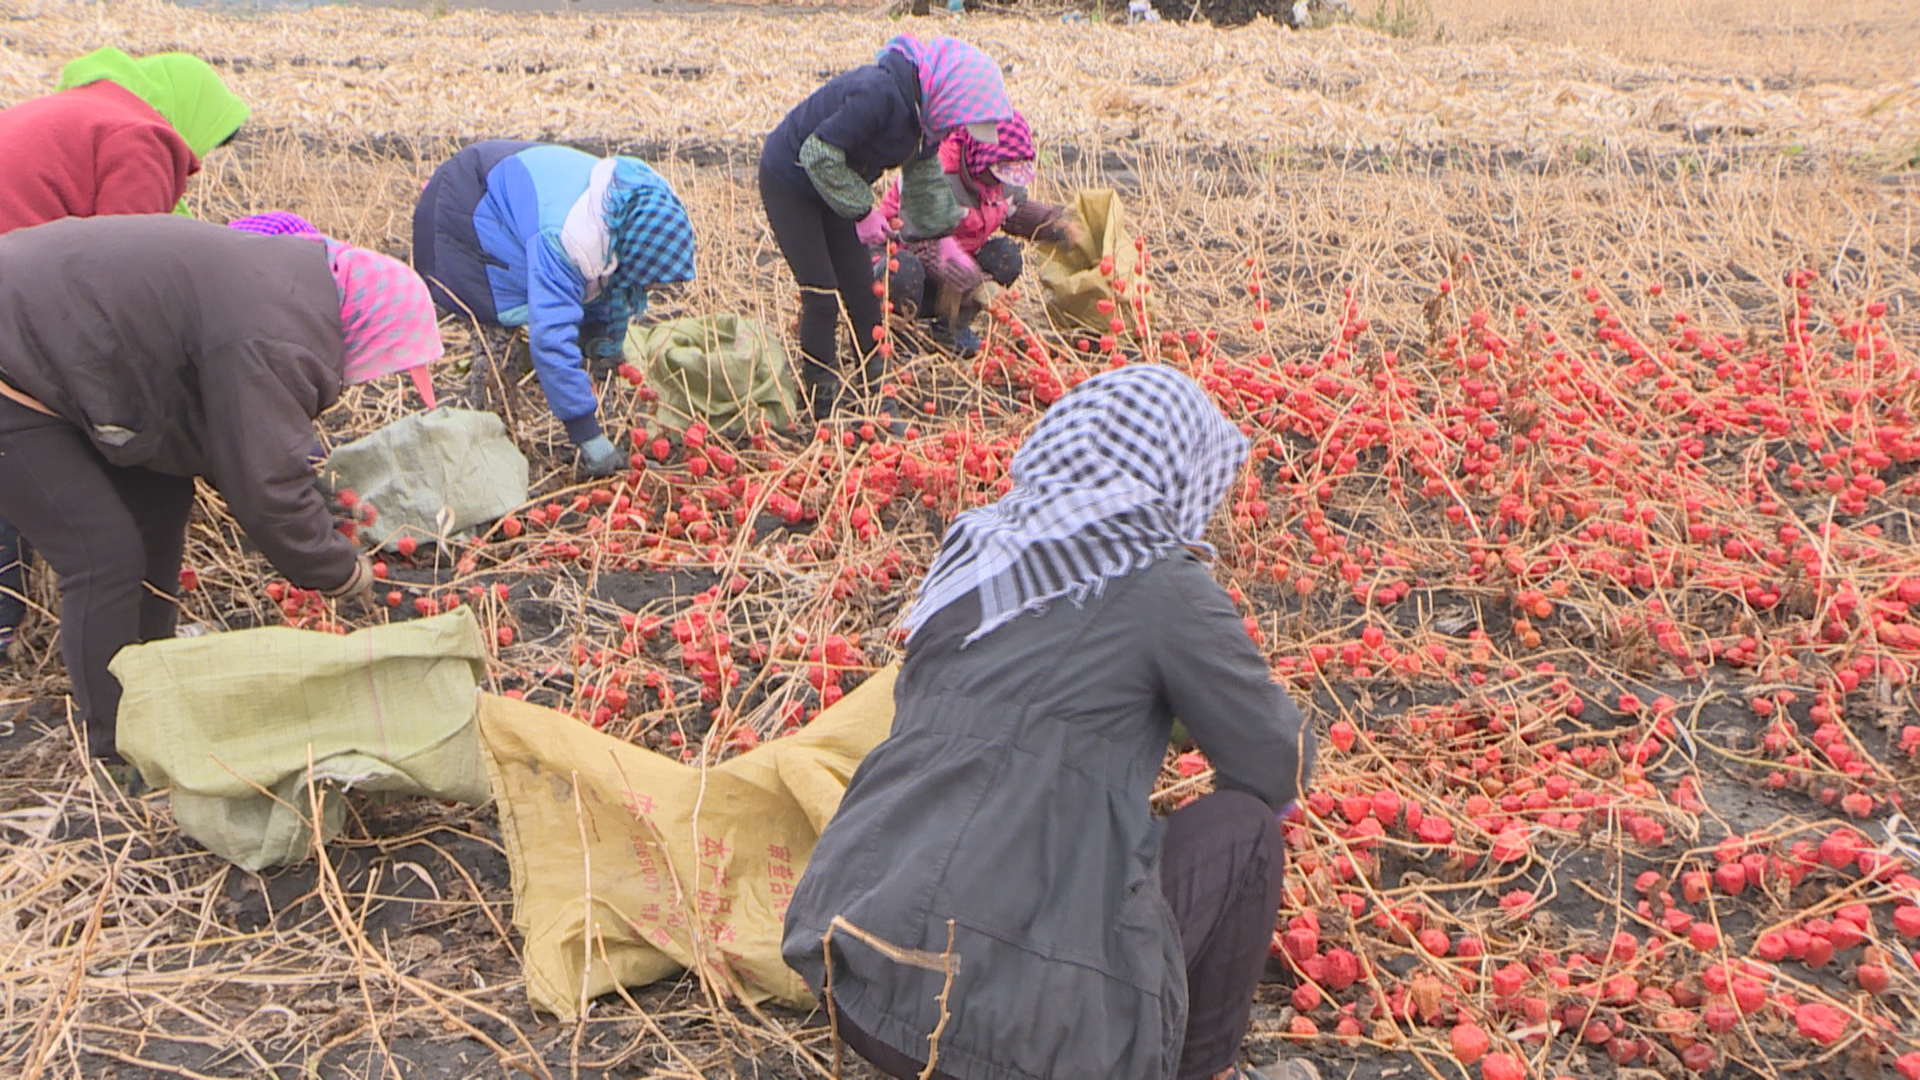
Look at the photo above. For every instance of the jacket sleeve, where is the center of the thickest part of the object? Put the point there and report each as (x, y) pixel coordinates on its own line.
(258, 437)
(554, 313)
(137, 171)
(1219, 687)
(842, 188)
(927, 203)
(1034, 220)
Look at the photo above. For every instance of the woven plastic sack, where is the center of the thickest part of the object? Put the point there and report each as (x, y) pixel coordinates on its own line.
(682, 868)
(225, 719)
(431, 475)
(1070, 278)
(725, 371)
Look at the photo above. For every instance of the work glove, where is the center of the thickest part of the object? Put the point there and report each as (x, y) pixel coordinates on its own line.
(986, 294)
(358, 583)
(949, 264)
(598, 458)
(872, 229)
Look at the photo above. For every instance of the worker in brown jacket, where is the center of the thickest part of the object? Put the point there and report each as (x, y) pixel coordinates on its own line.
(140, 352)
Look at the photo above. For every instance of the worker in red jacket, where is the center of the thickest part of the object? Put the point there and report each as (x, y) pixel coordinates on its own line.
(121, 136)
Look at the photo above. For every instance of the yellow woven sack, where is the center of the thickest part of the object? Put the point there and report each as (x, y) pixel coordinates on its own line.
(1070, 276)
(680, 868)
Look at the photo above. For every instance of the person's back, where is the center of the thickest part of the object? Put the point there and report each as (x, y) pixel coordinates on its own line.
(528, 197)
(92, 150)
(1056, 638)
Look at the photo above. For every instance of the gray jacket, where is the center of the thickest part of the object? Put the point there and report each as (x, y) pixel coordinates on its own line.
(193, 350)
(1012, 798)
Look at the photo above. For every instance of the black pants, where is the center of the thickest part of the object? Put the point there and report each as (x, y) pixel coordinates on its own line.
(911, 292)
(833, 268)
(13, 582)
(1221, 864)
(113, 535)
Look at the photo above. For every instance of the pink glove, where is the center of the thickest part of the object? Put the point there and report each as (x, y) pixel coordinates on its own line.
(953, 267)
(872, 229)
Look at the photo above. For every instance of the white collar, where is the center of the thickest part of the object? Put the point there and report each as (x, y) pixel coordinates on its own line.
(585, 236)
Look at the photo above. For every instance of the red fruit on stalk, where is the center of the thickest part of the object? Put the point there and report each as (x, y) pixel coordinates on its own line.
(406, 546)
(1502, 1067)
(1469, 1042)
(1698, 1057)
(1306, 997)
(1694, 886)
(1720, 1018)
(347, 498)
(1820, 1022)
(504, 636)
(1731, 877)
(1840, 848)
(1508, 980)
(189, 578)
(1871, 977)
(394, 598)
(1908, 1065)
(1342, 734)
(1906, 920)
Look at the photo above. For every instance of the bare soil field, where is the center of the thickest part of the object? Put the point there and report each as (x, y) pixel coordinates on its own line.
(1578, 344)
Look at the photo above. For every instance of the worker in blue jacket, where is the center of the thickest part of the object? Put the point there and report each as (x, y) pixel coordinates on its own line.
(558, 241)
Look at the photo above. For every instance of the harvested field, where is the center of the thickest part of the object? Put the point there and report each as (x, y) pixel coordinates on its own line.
(1578, 343)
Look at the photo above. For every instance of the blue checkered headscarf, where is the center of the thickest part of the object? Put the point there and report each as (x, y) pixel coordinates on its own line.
(652, 239)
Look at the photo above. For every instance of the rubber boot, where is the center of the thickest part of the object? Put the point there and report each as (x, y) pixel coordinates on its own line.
(826, 391)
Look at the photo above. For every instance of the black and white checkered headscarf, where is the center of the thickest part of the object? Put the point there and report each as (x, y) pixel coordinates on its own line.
(1125, 469)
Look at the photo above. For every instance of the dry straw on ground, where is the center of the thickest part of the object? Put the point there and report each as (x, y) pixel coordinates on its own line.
(349, 74)
(1335, 162)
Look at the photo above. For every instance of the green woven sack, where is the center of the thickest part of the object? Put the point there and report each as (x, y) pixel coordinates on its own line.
(231, 722)
(725, 371)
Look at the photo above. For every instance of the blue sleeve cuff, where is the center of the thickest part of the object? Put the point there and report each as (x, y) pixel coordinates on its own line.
(582, 428)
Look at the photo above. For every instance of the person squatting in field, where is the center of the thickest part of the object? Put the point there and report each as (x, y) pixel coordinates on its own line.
(817, 170)
(949, 276)
(120, 136)
(562, 243)
(1058, 634)
(137, 353)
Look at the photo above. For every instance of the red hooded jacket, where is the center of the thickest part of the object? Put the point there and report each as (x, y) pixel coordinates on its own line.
(93, 150)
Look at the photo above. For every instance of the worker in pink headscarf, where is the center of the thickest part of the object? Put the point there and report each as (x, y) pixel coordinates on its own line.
(989, 179)
(140, 352)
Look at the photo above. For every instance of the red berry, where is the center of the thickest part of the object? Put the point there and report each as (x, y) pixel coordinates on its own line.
(1469, 1042)
(1502, 1067)
(406, 546)
(1871, 977)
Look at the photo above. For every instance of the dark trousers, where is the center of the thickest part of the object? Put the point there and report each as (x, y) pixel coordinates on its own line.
(833, 269)
(1221, 865)
(113, 535)
(13, 582)
(912, 293)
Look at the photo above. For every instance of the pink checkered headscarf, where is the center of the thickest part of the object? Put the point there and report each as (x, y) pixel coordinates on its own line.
(387, 316)
(1015, 144)
(275, 223)
(959, 84)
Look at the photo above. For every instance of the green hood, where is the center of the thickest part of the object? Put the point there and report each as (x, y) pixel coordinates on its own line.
(181, 88)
